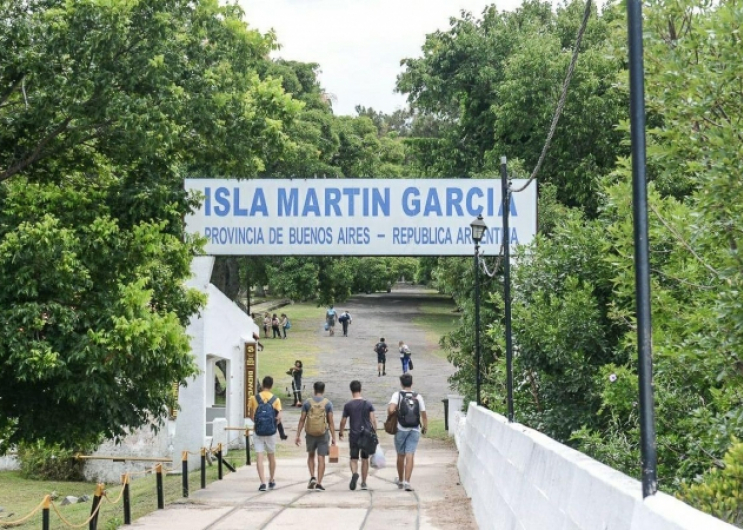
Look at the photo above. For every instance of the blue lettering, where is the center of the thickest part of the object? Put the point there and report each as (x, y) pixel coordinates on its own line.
(491, 201)
(379, 202)
(236, 210)
(208, 201)
(259, 203)
(432, 203)
(288, 204)
(365, 202)
(351, 193)
(332, 199)
(414, 208)
(453, 201)
(470, 201)
(310, 204)
(222, 198)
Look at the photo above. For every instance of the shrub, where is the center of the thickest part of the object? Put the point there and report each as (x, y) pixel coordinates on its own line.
(42, 461)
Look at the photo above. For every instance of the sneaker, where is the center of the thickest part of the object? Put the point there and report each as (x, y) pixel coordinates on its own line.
(312, 484)
(384, 373)
(399, 483)
(354, 480)
(363, 486)
(271, 485)
(379, 375)
(262, 487)
(407, 486)
(319, 487)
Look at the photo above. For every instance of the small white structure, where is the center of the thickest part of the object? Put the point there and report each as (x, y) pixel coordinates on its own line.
(218, 334)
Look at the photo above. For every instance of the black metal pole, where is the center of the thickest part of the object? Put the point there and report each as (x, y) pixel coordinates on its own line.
(184, 472)
(219, 462)
(127, 502)
(203, 468)
(477, 322)
(648, 448)
(506, 206)
(94, 511)
(160, 493)
(45, 513)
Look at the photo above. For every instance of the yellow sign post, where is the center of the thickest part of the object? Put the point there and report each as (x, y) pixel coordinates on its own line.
(251, 370)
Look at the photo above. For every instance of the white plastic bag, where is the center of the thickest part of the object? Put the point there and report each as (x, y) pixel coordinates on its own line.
(378, 460)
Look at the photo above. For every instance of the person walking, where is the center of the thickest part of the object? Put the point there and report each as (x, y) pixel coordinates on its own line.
(345, 319)
(285, 324)
(411, 416)
(265, 410)
(275, 326)
(360, 415)
(317, 420)
(296, 373)
(381, 349)
(330, 318)
(405, 354)
(266, 324)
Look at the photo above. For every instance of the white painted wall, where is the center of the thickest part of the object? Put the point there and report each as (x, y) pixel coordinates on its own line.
(519, 479)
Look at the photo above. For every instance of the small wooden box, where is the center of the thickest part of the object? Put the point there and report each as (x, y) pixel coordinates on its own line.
(334, 454)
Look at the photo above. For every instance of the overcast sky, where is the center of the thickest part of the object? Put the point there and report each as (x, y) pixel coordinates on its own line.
(358, 43)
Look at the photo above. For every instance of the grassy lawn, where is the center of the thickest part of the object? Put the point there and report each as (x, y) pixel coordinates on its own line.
(438, 316)
(302, 343)
(20, 496)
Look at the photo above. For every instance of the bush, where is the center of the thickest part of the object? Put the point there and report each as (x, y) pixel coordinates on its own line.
(720, 491)
(41, 461)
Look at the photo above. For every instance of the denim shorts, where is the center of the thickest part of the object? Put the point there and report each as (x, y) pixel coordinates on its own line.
(406, 442)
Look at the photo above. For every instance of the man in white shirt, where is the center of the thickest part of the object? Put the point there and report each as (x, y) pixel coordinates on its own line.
(411, 416)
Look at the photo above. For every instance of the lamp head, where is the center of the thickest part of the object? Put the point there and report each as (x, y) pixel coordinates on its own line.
(478, 227)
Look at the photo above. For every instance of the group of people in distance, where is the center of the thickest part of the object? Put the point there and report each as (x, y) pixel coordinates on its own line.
(332, 316)
(317, 422)
(405, 357)
(276, 324)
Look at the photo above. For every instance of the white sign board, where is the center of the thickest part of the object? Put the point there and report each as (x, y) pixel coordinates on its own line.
(357, 217)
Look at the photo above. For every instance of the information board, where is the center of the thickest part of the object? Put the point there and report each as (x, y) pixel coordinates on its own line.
(357, 217)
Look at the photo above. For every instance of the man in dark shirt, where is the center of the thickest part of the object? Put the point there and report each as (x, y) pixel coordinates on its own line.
(360, 414)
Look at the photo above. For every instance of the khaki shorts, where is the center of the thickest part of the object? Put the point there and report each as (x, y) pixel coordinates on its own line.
(264, 444)
(319, 444)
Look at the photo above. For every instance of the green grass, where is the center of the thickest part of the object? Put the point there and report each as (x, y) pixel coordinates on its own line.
(302, 343)
(437, 315)
(20, 496)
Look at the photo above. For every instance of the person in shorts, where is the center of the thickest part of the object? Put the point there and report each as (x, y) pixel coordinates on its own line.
(317, 415)
(265, 444)
(330, 317)
(408, 432)
(381, 349)
(360, 414)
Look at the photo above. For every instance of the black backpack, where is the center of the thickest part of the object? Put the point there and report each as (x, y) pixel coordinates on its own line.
(381, 348)
(408, 410)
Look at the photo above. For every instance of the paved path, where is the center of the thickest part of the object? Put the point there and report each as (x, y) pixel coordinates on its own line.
(438, 502)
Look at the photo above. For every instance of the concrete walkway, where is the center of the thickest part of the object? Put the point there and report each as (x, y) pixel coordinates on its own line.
(438, 502)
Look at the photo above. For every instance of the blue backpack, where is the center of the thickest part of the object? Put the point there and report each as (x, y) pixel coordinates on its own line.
(288, 324)
(265, 417)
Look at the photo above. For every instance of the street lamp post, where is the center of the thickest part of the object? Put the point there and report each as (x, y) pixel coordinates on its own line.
(478, 227)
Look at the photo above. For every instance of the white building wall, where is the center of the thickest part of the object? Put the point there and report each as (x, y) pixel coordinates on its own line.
(519, 479)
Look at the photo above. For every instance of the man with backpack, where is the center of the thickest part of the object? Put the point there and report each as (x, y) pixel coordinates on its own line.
(265, 411)
(345, 319)
(317, 419)
(330, 318)
(411, 416)
(381, 349)
(360, 414)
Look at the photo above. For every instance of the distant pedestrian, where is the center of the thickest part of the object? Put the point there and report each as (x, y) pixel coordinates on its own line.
(381, 349)
(285, 324)
(345, 319)
(360, 414)
(296, 373)
(330, 318)
(317, 420)
(275, 326)
(265, 411)
(411, 416)
(405, 355)
(266, 324)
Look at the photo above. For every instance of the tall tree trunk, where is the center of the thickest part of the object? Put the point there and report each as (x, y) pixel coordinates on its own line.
(226, 276)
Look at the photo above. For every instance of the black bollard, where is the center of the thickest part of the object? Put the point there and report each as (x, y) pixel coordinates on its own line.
(127, 500)
(184, 472)
(93, 525)
(247, 447)
(45, 512)
(219, 461)
(160, 496)
(203, 468)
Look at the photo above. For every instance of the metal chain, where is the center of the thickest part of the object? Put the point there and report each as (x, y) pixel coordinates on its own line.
(563, 97)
